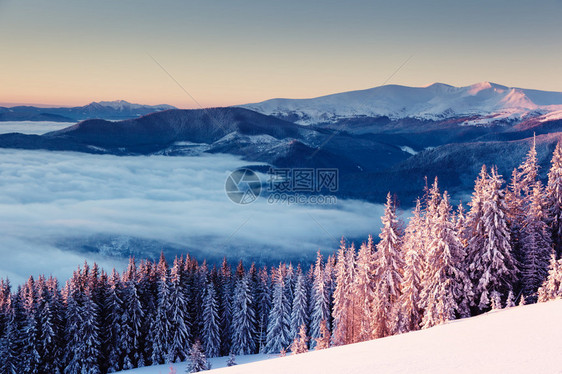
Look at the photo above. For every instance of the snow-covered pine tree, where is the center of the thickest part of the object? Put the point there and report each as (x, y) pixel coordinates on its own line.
(320, 298)
(5, 302)
(390, 265)
(300, 343)
(195, 294)
(324, 339)
(552, 286)
(447, 289)
(343, 302)
(57, 309)
(147, 293)
(161, 326)
(510, 302)
(300, 310)
(225, 306)
(263, 296)
(231, 360)
(495, 300)
(112, 322)
(197, 361)
(554, 199)
(30, 344)
(211, 333)
(131, 319)
(48, 339)
(492, 266)
(410, 313)
(180, 333)
(474, 231)
(515, 215)
(89, 337)
(459, 221)
(330, 276)
(243, 317)
(529, 170)
(524, 182)
(364, 289)
(278, 329)
(430, 210)
(535, 245)
(9, 355)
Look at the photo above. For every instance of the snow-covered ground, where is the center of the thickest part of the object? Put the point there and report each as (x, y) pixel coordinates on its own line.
(525, 339)
(216, 363)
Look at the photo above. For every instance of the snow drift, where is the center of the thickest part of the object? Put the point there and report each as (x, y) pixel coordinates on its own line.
(523, 339)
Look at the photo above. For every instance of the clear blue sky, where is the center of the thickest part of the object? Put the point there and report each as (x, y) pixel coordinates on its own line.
(238, 51)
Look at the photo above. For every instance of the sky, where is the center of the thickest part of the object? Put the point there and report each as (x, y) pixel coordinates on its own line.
(72, 52)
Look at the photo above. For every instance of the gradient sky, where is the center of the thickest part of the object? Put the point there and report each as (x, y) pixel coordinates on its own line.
(71, 52)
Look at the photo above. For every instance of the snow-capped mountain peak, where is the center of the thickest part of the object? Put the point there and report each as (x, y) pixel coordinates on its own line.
(122, 105)
(490, 101)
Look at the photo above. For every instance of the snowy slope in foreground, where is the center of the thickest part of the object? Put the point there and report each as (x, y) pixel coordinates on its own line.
(217, 362)
(488, 101)
(518, 340)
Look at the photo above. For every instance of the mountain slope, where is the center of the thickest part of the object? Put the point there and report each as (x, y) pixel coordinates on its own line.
(456, 166)
(485, 102)
(238, 131)
(522, 339)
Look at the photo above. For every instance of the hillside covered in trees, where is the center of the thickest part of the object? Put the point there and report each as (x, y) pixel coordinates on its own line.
(443, 264)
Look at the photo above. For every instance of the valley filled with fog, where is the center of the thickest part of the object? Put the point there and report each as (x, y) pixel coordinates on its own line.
(32, 127)
(61, 207)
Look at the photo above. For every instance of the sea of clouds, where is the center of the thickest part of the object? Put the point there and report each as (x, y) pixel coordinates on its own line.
(31, 127)
(54, 205)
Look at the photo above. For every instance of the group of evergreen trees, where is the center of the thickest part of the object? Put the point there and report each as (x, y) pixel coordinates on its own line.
(444, 264)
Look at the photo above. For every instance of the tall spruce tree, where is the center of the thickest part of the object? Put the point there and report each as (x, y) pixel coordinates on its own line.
(211, 332)
(491, 263)
(112, 322)
(279, 328)
(535, 245)
(343, 302)
(161, 325)
(263, 295)
(131, 319)
(225, 307)
(554, 199)
(390, 265)
(320, 298)
(447, 288)
(243, 317)
(300, 309)
(552, 286)
(364, 289)
(180, 334)
(410, 313)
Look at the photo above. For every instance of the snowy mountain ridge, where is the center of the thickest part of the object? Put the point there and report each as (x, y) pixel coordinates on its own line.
(125, 105)
(487, 102)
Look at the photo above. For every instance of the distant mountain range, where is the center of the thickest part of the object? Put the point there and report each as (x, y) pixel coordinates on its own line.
(479, 104)
(110, 110)
(384, 139)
